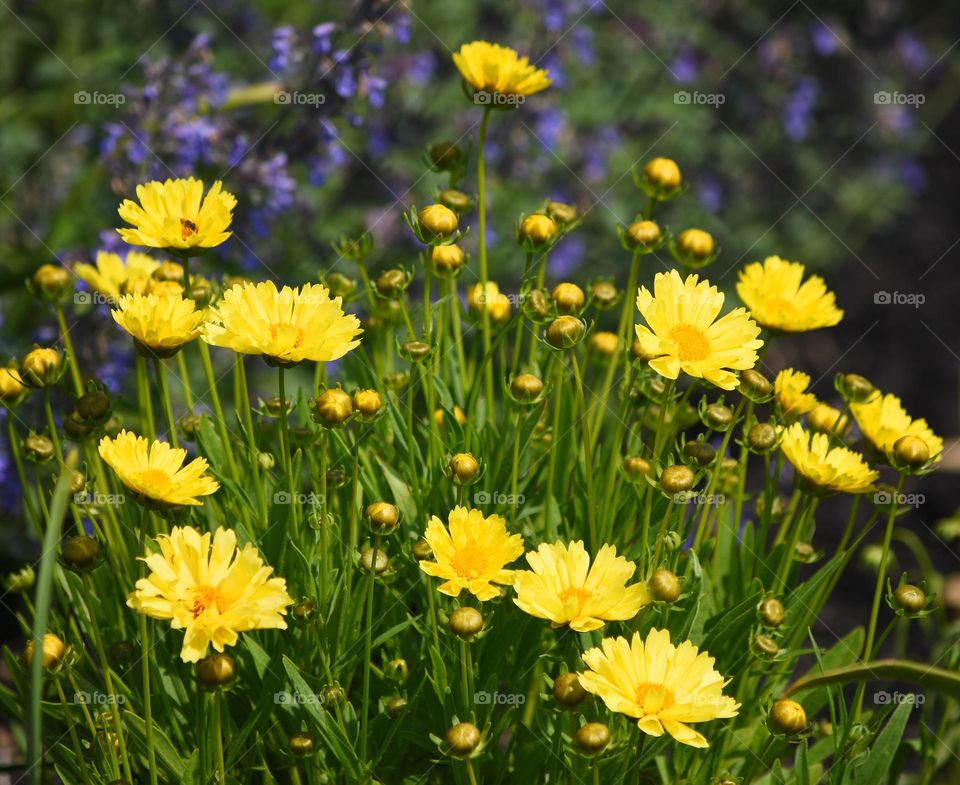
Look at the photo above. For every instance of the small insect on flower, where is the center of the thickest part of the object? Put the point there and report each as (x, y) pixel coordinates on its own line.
(779, 298)
(562, 587)
(831, 469)
(156, 472)
(175, 214)
(286, 326)
(207, 586)
(662, 686)
(472, 554)
(684, 333)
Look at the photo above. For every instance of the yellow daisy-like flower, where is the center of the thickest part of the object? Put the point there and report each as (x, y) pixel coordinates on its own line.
(286, 326)
(176, 214)
(493, 68)
(12, 388)
(156, 472)
(211, 589)
(883, 420)
(662, 686)
(472, 555)
(790, 393)
(836, 469)
(562, 587)
(111, 274)
(685, 335)
(496, 303)
(162, 323)
(779, 298)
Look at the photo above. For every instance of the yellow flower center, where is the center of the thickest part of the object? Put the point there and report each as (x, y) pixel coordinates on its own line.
(187, 228)
(468, 563)
(155, 479)
(781, 307)
(692, 344)
(653, 698)
(578, 594)
(205, 597)
(287, 335)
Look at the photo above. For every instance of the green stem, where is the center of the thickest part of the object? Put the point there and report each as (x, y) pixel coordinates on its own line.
(218, 721)
(160, 372)
(587, 454)
(285, 456)
(252, 447)
(368, 652)
(71, 354)
(221, 421)
(144, 398)
(482, 247)
(549, 525)
(145, 660)
(715, 476)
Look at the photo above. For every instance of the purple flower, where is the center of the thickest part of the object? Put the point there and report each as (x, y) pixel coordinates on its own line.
(798, 111)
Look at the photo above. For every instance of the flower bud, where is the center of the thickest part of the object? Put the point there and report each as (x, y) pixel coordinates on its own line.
(526, 387)
(53, 650)
(569, 297)
(94, 405)
(81, 552)
(664, 586)
(397, 380)
(592, 738)
(663, 174)
(332, 694)
(567, 690)
(462, 739)
(456, 200)
(395, 706)
(216, 670)
(21, 581)
(762, 437)
(38, 448)
(823, 418)
(754, 384)
(856, 388)
(718, 417)
(392, 283)
(447, 258)
(910, 598)
(605, 294)
(911, 451)
(444, 156)
(463, 468)
(12, 388)
(772, 612)
(677, 479)
(303, 744)
(383, 517)
(333, 407)
(565, 332)
(562, 213)
(465, 622)
(537, 229)
(367, 402)
(786, 717)
(536, 305)
(643, 234)
(604, 344)
(51, 282)
(765, 646)
(439, 220)
(696, 244)
(304, 610)
(422, 550)
(40, 367)
(376, 564)
(490, 299)
(636, 467)
(702, 453)
(414, 351)
(340, 285)
(266, 461)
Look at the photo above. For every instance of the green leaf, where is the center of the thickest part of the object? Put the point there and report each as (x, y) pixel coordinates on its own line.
(876, 769)
(401, 492)
(934, 679)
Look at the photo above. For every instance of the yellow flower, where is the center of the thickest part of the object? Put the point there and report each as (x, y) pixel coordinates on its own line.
(790, 392)
(830, 468)
(472, 555)
(824, 418)
(685, 335)
(564, 588)
(490, 298)
(156, 472)
(883, 420)
(12, 387)
(176, 214)
(212, 590)
(162, 323)
(493, 68)
(111, 273)
(779, 299)
(660, 685)
(288, 326)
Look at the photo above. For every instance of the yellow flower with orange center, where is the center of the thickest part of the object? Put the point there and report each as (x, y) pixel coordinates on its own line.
(493, 68)
(661, 686)
(779, 298)
(562, 587)
(211, 589)
(472, 554)
(684, 333)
